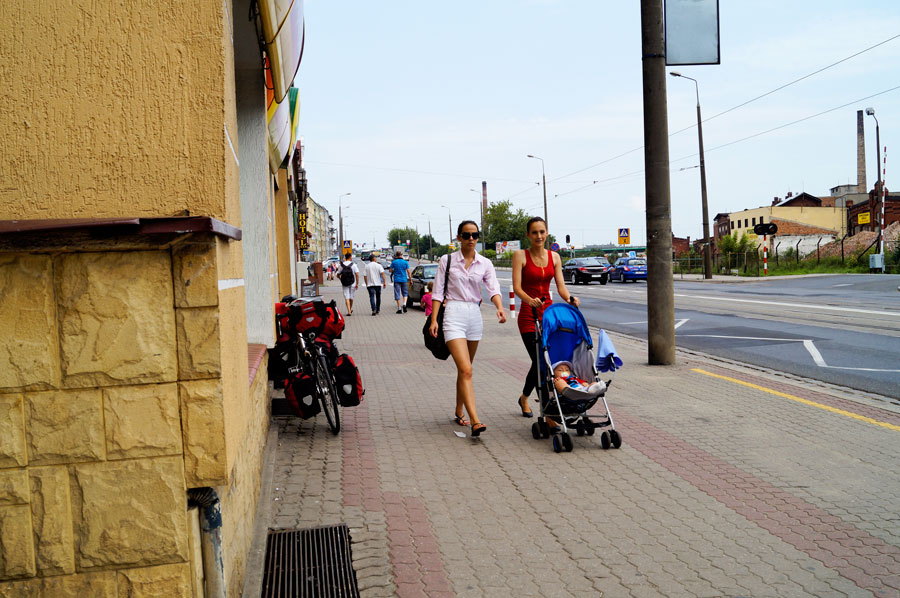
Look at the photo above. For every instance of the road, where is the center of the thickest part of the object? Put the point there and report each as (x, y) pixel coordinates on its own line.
(841, 329)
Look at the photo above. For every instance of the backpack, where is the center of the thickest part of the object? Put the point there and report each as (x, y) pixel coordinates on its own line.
(346, 275)
(306, 316)
(300, 391)
(349, 385)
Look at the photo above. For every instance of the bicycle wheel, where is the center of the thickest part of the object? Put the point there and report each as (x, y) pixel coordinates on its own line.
(328, 393)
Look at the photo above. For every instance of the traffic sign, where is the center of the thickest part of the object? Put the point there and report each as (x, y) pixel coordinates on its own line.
(632, 254)
(624, 236)
(348, 244)
(765, 228)
(554, 247)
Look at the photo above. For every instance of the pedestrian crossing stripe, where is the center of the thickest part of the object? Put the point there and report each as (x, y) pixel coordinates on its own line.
(850, 414)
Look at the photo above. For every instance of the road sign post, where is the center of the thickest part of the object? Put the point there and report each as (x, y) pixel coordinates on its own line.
(624, 236)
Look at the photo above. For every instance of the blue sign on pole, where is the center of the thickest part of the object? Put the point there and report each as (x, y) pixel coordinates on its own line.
(554, 247)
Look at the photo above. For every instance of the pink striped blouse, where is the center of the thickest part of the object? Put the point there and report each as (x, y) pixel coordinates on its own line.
(465, 285)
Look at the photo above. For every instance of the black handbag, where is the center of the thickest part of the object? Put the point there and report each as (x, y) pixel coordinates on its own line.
(437, 345)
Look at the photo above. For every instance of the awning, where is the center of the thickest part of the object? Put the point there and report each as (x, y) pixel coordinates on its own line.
(284, 33)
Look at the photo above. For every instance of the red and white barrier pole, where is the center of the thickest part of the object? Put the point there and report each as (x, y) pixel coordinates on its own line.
(765, 256)
(512, 303)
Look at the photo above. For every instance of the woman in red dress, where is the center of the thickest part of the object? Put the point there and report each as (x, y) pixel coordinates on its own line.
(532, 271)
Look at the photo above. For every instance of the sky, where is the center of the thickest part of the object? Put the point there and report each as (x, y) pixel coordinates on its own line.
(409, 105)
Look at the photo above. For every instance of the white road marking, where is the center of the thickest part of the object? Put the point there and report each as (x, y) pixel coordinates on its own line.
(807, 344)
(678, 323)
(797, 305)
(845, 284)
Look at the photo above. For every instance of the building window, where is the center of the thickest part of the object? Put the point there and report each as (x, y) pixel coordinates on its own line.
(760, 219)
(745, 223)
(754, 222)
(732, 225)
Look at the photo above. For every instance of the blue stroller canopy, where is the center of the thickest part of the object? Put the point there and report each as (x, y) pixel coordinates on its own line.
(564, 329)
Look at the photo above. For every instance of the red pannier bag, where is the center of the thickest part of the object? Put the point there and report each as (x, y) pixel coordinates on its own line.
(333, 324)
(307, 316)
(282, 322)
(349, 385)
(300, 391)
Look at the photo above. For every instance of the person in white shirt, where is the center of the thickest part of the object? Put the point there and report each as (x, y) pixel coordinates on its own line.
(348, 274)
(375, 279)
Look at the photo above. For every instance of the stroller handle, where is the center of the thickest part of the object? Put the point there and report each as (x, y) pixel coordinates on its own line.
(534, 313)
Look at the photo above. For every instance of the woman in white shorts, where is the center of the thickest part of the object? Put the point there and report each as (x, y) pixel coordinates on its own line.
(462, 313)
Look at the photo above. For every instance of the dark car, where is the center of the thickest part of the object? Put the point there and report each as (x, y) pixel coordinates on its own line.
(629, 268)
(583, 270)
(421, 276)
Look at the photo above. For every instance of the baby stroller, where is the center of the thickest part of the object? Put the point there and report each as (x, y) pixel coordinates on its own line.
(563, 335)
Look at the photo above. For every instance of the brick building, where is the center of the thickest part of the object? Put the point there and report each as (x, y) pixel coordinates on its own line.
(863, 215)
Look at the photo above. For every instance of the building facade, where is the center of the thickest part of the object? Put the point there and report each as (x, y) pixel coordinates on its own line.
(144, 236)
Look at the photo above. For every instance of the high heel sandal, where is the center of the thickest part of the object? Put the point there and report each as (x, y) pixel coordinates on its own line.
(524, 413)
(460, 420)
(477, 429)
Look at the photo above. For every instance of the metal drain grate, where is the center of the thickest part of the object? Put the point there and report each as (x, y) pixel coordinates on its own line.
(312, 563)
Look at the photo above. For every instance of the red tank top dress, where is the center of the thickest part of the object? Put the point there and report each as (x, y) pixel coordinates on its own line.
(535, 283)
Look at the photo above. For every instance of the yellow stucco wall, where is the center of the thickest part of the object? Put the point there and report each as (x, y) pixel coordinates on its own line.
(284, 260)
(127, 385)
(114, 109)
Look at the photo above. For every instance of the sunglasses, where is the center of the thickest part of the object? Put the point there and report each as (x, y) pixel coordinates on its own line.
(467, 236)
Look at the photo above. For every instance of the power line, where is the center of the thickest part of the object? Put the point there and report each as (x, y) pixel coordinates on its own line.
(631, 151)
(411, 171)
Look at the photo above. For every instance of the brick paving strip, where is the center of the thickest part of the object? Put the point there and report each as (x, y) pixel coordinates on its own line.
(866, 560)
(414, 554)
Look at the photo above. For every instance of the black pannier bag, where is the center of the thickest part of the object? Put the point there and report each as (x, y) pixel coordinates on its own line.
(349, 384)
(300, 391)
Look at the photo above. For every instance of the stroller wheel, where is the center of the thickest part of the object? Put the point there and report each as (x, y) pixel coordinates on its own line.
(557, 443)
(545, 429)
(589, 428)
(567, 442)
(579, 427)
(536, 431)
(615, 438)
(605, 440)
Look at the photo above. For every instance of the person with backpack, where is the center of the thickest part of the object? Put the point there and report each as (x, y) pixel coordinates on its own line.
(348, 274)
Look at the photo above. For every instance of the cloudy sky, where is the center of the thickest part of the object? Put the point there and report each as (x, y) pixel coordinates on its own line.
(408, 105)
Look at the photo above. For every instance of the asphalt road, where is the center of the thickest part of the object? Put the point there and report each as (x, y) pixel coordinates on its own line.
(841, 329)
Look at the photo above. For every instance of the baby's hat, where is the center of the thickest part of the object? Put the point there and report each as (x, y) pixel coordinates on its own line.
(563, 362)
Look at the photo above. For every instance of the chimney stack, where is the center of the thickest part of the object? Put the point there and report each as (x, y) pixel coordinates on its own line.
(861, 186)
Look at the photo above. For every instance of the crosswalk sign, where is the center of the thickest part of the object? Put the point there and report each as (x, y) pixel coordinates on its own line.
(624, 236)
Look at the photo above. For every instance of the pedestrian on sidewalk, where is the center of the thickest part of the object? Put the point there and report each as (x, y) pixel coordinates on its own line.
(349, 277)
(462, 313)
(376, 280)
(400, 275)
(532, 271)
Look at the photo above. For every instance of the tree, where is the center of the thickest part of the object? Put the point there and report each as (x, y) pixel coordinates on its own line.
(426, 242)
(733, 244)
(399, 236)
(502, 224)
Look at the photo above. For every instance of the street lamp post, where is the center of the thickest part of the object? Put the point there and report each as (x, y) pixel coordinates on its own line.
(341, 225)
(707, 249)
(879, 206)
(449, 225)
(481, 212)
(430, 238)
(544, 186)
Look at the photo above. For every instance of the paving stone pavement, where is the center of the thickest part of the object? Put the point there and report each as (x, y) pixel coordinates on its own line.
(721, 488)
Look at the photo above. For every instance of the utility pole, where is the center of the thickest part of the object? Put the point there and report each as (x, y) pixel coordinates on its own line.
(483, 216)
(660, 290)
(879, 192)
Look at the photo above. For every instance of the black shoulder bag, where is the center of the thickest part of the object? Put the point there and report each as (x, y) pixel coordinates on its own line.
(437, 345)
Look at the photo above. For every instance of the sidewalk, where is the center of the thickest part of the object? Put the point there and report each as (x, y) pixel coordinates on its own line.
(729, 482)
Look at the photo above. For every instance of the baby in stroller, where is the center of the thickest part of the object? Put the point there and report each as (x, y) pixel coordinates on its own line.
(564, 379)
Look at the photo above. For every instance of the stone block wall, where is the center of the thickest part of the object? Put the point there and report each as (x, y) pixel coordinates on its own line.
(113, 403)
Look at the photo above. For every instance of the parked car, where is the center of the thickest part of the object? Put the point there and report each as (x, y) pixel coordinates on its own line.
(629, 268)
(421, 276)
(583, 270)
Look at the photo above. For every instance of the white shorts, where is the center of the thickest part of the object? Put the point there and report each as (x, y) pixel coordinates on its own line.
(350, 291)
(462, 319)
